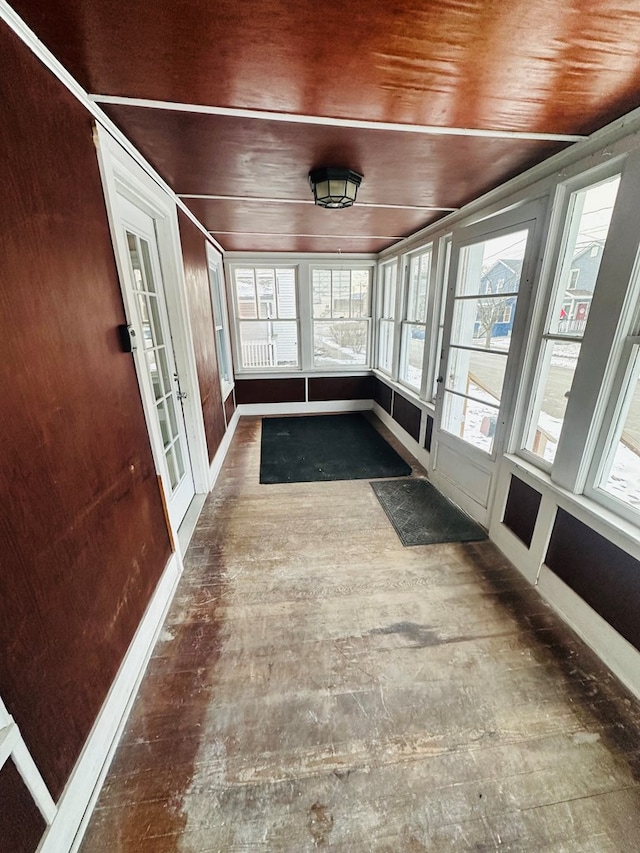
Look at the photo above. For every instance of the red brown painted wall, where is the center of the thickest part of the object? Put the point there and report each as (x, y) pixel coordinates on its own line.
(201, 314)
(82, 531)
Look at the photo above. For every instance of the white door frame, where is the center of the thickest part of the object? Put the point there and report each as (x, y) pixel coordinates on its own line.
(121, 175)
(464, 472)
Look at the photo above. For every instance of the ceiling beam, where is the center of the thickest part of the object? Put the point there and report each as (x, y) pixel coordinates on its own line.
(326, 121)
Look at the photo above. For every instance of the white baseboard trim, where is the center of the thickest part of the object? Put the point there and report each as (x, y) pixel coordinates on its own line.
(223, 449)
(81, 791)
(614, 651)
(322, 407)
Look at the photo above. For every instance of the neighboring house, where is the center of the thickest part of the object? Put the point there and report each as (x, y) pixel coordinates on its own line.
(504, 276)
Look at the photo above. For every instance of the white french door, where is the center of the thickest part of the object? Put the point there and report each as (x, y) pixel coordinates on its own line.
(490, 282)
(155, 359)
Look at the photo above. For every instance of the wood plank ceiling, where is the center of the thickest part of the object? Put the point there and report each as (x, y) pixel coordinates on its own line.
(434, 102)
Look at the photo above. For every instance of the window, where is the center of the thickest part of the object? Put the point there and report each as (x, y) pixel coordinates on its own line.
(386, 326)
(266, 317)
(587, 221)
(573, 278)
(414, 324)
(341, 301)
(223, 346)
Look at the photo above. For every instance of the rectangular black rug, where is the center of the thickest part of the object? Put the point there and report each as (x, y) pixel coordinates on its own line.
(422, 515)
(326, 447)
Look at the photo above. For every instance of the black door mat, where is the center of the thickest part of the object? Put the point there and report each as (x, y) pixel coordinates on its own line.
(325, 447)
(422, 515)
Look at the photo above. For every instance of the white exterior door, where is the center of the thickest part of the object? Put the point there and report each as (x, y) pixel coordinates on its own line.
(490, 282)
(155, 359)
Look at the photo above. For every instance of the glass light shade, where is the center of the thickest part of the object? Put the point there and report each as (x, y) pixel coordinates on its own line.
(334, 188)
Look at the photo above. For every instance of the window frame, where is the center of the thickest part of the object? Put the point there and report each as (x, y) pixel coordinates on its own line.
(404, 323)
(566, 470)
(255, 264)
(220, 313)
(394, 266)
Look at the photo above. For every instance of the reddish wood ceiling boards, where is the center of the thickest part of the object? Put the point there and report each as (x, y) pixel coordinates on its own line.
(537, 65)
(214, 155)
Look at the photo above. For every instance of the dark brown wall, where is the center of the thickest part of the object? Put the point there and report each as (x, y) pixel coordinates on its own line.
(201, 314)
(21, 824)
(521, 510)
(83, 537)
(605, 576)
(407, 415)
(230, 405)
(270, 390)
(383, 395)
(341, 388)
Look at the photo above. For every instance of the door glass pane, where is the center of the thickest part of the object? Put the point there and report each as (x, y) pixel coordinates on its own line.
(340, 342)
(154, 373)
(163, 367)
(179, 460)
(484, 322)
(164, 423)
(412, 354)
(493, 266)
(474, 421)
(148, 269)
(171, 465)
(559, 360)
(478, 374)
(134, 254)
(622, 479)
(154, 316)
(173, 423)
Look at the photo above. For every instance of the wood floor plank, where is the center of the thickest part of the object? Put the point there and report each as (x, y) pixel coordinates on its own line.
(317, 685)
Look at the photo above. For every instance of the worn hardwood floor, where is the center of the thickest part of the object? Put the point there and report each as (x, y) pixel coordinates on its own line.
(317, 685)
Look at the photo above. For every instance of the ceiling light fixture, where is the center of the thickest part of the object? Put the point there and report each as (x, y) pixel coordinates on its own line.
(334, 188)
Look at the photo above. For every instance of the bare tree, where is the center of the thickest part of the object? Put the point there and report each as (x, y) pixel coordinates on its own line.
(490, 312)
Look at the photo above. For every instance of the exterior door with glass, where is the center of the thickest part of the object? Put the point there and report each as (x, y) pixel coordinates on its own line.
(487, 302)
(155, 360)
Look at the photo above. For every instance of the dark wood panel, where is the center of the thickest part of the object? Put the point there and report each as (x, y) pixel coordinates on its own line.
(526, 65)
(521, 510)
(230, 405)
(341, 388)
(445, 170)
(605, 576)
(407, 415)
(428, 434)
(83, 536)
(270, 391)
(21, 824)
(382, 395)
(202, 327)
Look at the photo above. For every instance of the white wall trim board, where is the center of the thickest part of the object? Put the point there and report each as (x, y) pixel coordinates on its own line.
(321, 407)
(221, 452)
(618, 654)
(328, 121)
(83, 787)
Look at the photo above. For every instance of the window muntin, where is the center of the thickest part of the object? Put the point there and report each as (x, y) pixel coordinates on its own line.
(386, 322)
(587, 225)
(486, 292)
(414, 324)
(266, 310)
(341, 302)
